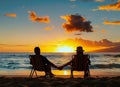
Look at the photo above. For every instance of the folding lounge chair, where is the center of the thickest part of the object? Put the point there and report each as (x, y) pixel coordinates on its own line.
(80, 64)
(37, 65)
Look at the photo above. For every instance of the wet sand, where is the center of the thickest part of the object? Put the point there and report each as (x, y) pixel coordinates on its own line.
(96, 79)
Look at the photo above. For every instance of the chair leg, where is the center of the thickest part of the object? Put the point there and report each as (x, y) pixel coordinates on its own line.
(36, 73)
(31, 73)
(86, 73)
(71, 76)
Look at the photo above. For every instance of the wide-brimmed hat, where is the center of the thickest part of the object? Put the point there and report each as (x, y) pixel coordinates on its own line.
(79, 48)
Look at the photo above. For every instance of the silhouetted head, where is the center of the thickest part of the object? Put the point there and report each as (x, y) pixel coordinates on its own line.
(79, 49)
(37, 50)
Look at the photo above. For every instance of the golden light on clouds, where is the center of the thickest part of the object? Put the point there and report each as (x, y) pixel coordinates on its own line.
(15, 48)
(99, 0)
(112, 22)
(48, 28)
(115, 6)
(11, 15)
(103, 31)
(67, 45)
(34, 18)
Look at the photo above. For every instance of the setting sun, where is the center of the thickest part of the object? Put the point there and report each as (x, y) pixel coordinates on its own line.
(65, 49)
(65, 72)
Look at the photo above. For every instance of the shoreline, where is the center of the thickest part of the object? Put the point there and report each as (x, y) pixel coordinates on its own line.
(97, 79)
(59, 73)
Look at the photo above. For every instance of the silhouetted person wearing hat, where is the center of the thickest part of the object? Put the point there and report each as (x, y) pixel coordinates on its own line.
(80, 57)
(46, 62)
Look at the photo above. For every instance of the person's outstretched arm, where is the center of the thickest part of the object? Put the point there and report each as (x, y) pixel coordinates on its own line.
(68, 63)
(51, 64)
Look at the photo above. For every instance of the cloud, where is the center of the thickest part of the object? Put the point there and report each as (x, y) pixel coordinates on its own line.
(14, 47)
(103, 31)
(11, 15)
(114, 7)
(76, 23)
(77, 34)
(112, 23)
(99, 0)
(72, 0)
(9, 45)
(88, 0)
(90, 43)
(91, 0)
(48, 28)
(34, 18)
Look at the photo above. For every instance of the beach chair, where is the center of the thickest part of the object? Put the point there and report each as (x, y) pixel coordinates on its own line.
(37, 65)
(80, 64)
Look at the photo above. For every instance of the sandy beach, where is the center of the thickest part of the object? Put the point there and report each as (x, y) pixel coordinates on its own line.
(20, 79)
(59, 82)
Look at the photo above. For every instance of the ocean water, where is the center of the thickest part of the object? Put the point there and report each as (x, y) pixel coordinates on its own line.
(20, 61)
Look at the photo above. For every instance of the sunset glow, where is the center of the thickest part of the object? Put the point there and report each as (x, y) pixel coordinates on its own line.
(65, 72)
(69, 23)
(65, 49)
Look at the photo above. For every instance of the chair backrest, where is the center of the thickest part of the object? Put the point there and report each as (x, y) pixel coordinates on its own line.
(79, 63)
(37, 62)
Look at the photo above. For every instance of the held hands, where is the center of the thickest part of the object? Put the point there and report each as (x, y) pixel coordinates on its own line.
(60, 67)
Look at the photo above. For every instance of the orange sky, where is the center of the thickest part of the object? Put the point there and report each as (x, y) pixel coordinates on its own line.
(59, 25)
(65, 45)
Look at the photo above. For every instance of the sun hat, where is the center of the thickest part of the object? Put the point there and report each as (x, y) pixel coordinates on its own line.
(79, 48)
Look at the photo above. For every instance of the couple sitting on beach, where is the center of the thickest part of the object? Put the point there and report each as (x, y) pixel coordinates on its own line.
(47, 64)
